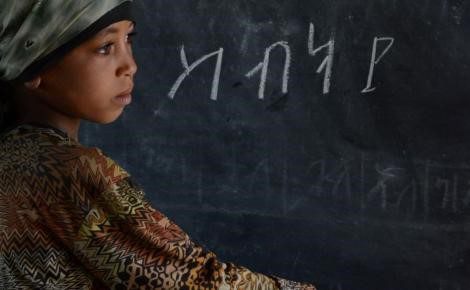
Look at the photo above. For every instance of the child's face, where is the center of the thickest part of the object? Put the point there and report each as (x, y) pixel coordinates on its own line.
(86, 83)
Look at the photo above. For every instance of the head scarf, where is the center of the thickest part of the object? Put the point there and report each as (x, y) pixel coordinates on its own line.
(31, 31)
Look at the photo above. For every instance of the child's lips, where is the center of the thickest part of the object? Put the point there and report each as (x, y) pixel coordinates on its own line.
(124, 99)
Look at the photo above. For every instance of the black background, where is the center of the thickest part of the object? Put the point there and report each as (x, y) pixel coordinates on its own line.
(348, 190)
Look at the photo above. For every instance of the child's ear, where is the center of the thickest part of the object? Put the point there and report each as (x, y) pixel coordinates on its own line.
(33, 83)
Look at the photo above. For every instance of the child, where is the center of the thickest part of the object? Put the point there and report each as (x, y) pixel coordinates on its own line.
(70, 217)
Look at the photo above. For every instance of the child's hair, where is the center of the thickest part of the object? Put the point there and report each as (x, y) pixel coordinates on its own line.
(7, 110)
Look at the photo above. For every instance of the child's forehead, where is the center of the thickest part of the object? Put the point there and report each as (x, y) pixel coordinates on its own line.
(115, 27)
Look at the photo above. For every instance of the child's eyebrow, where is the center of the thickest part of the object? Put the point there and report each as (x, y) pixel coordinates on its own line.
(112, 29)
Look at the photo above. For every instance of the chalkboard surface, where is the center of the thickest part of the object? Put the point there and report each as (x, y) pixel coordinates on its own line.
(322, 140)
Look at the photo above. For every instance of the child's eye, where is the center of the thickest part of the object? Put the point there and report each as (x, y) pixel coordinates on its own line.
(105, 49)
(130, 36)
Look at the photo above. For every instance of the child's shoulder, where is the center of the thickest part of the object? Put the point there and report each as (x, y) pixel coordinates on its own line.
(35, 149)
(37, 139)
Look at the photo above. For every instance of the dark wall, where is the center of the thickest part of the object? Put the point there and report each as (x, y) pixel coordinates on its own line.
(345, 187)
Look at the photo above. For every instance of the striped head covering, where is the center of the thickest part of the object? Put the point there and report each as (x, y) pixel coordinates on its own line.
(35, 33)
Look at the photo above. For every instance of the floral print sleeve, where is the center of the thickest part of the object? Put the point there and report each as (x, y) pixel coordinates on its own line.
(131, 245)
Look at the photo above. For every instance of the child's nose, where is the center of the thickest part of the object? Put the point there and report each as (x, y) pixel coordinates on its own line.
(128, 65)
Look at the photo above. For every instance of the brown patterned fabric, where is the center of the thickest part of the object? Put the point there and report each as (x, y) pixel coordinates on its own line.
(71, 218)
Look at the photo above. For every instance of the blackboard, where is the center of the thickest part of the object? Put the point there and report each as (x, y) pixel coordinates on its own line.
(325, 140)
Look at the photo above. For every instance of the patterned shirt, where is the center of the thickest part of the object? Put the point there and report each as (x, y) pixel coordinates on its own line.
(72, 218)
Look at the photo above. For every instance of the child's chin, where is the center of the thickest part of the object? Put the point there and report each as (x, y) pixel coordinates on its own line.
(107, 119)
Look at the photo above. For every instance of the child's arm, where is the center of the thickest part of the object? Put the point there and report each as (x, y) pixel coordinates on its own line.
(129, 244)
